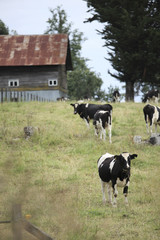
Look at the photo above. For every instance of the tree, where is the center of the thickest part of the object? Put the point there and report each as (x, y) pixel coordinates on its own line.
(58, 23)
(82, 82)
(131, 33)
(3, 28)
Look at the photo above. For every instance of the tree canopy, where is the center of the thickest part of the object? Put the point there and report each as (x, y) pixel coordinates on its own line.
(3, 28)
(132, 35)
(58, 23)
(82, 82)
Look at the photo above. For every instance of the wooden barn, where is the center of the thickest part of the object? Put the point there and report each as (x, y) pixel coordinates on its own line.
(36, 64)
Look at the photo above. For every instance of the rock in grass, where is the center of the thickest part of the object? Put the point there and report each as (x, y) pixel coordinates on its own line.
(155, 139)
(29, 131)
(137, 139)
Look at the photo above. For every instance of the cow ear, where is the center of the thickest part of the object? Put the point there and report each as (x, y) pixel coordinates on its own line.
(117, 156)
(133, 156)
(72, 104)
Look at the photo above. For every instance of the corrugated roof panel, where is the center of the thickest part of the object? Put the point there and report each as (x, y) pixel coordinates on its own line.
(33, 50)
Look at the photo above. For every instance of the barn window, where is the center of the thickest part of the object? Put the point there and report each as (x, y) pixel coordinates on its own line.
(13, 83)
(52, 82)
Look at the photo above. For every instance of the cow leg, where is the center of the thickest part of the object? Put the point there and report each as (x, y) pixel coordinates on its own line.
(125, 192)
(103, 130)
(103, 133)
(147, 127)
(87, 122)
(156, 128)
(109, 193)
(100, 133)
(100, 128)
(156, 100)
(110, 129)
(115, 193)
(96, 131)
(109, 132)
(146, 120)
(103, 184)
(96, 128)
(151, 124)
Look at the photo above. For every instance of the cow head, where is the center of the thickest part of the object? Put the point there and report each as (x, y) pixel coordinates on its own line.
(145, 99)
(125, 159)
(75, 106)
(78, 108)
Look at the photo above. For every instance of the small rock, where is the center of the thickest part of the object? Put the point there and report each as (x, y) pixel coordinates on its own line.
(155, 140)
(137, 139)
(29, 131)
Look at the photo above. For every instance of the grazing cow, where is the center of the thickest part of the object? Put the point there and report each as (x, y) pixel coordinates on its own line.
(152, 95)
(152, 116)
(86, 111)
(101, 120)
(114, 170)
(116, 96)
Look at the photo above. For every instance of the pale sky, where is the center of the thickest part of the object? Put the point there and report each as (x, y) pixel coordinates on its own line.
(29, 17)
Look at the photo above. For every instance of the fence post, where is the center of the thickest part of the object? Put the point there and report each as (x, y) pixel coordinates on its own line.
(17, 222)
(6, 94)
(10, 95)
(1, 95)
(24, 96)
(17, 96)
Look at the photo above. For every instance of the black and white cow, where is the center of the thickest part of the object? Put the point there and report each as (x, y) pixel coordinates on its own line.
(102, 120)
(86, 110)
(151, 116)
(116, 96)
(114, 170)
(152, 95)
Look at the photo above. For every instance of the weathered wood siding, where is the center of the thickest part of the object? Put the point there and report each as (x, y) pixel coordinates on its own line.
(34, 78)
(62, 73)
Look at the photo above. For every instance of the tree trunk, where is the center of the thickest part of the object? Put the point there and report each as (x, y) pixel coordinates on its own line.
(129, 91)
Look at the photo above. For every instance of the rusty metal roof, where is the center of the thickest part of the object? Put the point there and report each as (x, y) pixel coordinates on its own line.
(34, 50)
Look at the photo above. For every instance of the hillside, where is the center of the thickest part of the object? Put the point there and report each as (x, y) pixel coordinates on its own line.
(54, 173)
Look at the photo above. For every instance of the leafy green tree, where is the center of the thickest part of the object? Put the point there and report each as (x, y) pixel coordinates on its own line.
(3, 28)
(82, 82)
(58, 22)
(132, 34)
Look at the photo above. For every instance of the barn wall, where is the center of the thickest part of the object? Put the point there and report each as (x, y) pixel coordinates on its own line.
(46, 95)
(62, 76)
(51, 95)
(34, 78)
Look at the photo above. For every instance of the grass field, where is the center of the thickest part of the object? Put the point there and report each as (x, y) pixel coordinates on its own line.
(54, 174)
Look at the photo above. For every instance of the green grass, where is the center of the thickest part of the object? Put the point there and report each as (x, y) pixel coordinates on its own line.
(54, 173)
